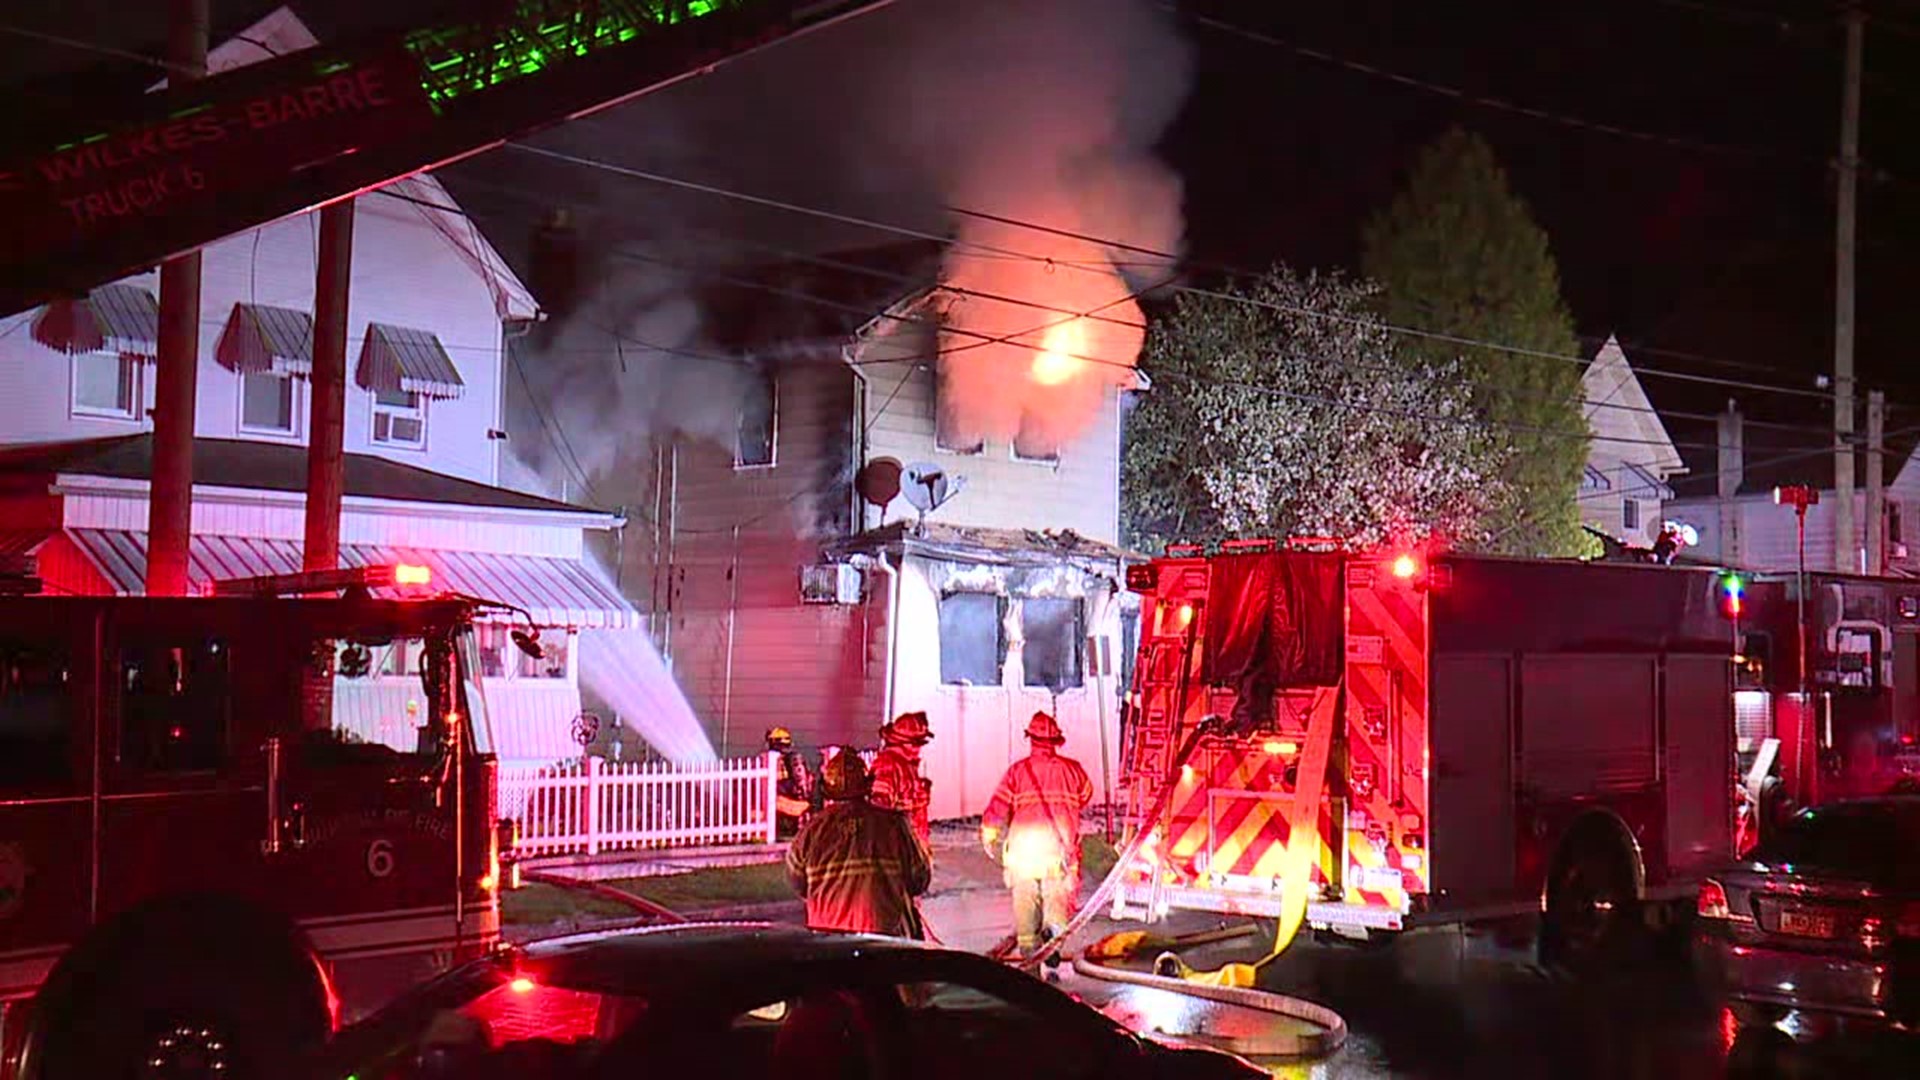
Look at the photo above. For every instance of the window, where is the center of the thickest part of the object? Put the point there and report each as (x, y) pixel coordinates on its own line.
(946, 431)
(1630, 514)
(173, 705)
(36, 713)
(266, 402)
(106, 384)
(399, 418)
(1052, 630)
(758, 422)
(972, 646)
(553, 659)
(1031, 444)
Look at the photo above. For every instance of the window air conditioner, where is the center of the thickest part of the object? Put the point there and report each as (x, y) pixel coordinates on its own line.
(830, 583)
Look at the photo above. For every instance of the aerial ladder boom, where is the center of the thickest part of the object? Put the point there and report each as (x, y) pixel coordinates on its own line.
(188, 165)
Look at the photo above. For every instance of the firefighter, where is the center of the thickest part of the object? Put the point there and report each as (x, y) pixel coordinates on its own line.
(1032, 828)
(857, 866)
(897, 783)
(793, 797)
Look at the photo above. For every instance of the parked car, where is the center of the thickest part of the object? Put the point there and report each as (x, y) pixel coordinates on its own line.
(749, 1000)
(1823, 916)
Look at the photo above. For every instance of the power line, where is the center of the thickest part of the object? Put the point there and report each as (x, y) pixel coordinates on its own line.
(1111, 244)
(95, 47)
(1471, 98)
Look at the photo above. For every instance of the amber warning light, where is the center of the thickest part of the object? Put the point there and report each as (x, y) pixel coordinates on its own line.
(404, 574)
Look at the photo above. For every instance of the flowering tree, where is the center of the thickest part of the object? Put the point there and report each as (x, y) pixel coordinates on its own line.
(1280, 409)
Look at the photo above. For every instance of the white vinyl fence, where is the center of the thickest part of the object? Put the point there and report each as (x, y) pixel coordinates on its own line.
(593, 805)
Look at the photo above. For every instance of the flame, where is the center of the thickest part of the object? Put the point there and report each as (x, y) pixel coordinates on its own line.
(1059, 358)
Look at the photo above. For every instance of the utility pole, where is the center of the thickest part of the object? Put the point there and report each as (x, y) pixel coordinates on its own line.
(1876, 482)
(326, 423)
(1846, 559)
(176, 367)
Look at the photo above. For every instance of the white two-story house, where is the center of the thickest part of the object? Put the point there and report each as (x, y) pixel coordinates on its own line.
(786, 598)
(430, 308)
(1630, 459)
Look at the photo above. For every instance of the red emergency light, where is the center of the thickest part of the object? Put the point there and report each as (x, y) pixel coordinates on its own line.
(1405, 567)
(324, 581)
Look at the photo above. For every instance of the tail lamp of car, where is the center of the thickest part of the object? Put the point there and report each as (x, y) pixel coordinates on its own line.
(1712, 902)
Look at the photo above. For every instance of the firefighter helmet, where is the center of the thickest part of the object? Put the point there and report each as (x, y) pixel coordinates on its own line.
(779, 738)
(907, 728)
(844, 776)
(1044, 729)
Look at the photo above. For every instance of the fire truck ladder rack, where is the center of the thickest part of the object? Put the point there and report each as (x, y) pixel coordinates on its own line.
(182, 167)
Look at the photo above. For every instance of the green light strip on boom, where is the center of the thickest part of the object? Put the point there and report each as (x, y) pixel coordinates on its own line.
(453, 63)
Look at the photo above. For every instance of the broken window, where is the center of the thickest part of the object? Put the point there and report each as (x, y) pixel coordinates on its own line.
(1032, 444)
(758, 411)
(972, 646)
(946, 430)
(1053, 630)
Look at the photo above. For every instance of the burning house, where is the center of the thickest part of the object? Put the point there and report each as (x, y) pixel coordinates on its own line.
(870, 545)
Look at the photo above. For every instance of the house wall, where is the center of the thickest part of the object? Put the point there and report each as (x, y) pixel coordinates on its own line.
(1080, 492)
(1767, 533)
(726, 604)
(1606, 510)
(405, 272)
(978, 729)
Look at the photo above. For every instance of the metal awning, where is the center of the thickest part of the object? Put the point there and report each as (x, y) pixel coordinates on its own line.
(260, 339)
(397, 358)
(1594, 480)
(555, 592)
(117, 318)
(1645, 483)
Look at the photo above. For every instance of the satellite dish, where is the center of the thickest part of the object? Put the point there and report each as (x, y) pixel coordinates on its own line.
(878, 481)
(925, 486)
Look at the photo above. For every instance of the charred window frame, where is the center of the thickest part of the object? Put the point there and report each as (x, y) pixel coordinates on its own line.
(36, 719)
(1029, 447)
(945, 435)
(973, 640)
(1053, 633)
(758, 437)
(175, 704)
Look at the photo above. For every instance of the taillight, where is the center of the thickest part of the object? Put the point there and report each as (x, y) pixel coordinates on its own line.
(1907, 924)
(1713, 901)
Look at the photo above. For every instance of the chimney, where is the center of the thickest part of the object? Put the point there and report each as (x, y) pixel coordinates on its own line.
(1732, 455)
(1730, 474)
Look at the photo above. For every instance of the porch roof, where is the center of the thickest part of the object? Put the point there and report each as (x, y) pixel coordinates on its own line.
(980, 544)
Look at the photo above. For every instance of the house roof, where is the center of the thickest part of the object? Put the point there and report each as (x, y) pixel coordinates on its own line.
(264, 466)
(976, 543)
(1624, 423)
(819, 301)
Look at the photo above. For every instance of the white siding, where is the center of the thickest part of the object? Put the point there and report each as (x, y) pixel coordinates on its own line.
(404, 273)
(1768, 539)
(1081, 492)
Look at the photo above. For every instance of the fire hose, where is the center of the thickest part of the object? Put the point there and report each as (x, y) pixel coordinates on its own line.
(1303, 838)
(604, 892)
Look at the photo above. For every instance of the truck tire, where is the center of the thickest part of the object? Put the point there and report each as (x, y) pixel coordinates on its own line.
(189, 989)
(1592, 920)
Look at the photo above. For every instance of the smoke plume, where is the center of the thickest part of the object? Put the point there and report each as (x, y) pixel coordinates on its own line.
(1042, 112)
(1044, 116)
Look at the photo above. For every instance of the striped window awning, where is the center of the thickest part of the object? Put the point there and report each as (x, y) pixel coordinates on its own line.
(1643, 483)
(260, 339)
(556, 592)
(112, 318)
(398, 358)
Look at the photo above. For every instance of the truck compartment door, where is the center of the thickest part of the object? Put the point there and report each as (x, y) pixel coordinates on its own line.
(1472, 835)
(1699, 762)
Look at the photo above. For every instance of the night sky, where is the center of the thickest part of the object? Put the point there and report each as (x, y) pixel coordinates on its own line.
(1712, 254)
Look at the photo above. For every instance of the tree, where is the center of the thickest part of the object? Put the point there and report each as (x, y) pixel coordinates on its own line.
(1278, 409)
(1459, 254)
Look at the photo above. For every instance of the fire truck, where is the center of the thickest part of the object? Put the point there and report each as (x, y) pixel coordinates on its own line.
(199, 863)
(1460, 738)
(1832, 674)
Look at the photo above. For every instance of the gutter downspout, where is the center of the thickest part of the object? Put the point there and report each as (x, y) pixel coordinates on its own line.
(893, 630)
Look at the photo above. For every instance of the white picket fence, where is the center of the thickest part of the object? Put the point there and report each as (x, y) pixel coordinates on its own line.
(594, 805)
